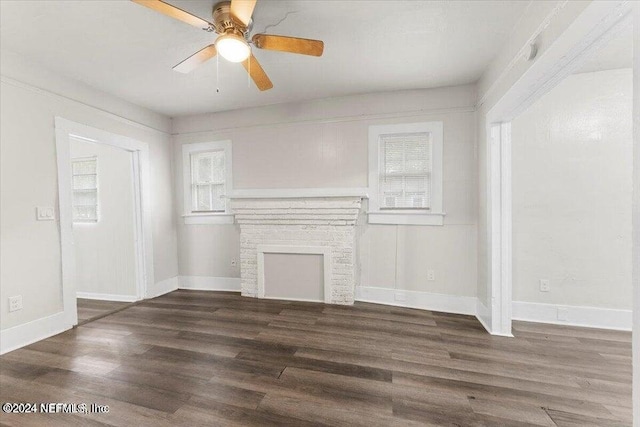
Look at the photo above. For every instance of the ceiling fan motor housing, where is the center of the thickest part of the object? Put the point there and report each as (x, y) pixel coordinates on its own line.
(224, 22)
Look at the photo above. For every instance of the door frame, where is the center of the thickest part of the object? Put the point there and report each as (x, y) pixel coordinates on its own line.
(142, 207)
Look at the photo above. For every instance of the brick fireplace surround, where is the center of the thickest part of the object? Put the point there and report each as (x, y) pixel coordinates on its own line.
(326, 223)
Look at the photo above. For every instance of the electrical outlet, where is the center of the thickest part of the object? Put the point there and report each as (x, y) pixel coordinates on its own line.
(431, 275)
(400, 296)
(563, 314)
(234, 262)
(15, 303)
(544, 285)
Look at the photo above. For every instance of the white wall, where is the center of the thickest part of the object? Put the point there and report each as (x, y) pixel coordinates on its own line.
(323, 144)
(105, 250)
(572, 167)
(30, 99)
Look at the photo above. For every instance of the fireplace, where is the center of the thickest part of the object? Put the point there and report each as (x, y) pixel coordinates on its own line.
(299, 225)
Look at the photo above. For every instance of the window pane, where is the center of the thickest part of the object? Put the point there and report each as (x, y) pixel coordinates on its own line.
(417, 155)
(415, 184)
(202, 199)
(84, 167)
(85, 198)
(84, 182)
(393, 157)
(218, 202)
(208, 167)
(85, 213)
(391, 184)
(218, 174)
(203, 168)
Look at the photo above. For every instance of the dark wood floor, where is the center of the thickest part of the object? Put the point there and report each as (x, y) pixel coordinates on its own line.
(201, 358)
(89, 309)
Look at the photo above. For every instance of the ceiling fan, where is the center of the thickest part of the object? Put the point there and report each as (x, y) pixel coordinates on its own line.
(232, 21)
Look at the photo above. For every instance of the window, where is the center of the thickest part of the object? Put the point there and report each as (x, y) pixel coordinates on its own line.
(85, 189)
(405, 171)
(207, 182)
(405, 174)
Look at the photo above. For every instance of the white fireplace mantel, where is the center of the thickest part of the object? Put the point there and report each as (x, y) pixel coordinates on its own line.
(325, 223)
(298, 193)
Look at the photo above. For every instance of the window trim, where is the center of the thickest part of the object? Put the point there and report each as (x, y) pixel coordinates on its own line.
(189, 216)
(432, 216)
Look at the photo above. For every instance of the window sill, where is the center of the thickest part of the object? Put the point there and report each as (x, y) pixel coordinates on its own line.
(208, 218)
(406, 218)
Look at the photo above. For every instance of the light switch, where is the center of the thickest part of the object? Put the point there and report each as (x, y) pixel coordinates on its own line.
(45, 213)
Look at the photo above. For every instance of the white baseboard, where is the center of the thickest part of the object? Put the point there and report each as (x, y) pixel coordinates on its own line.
(208, 283)
(30, 332)
(590, 317)
(414, 299)
(106, 297)
(483, 315)
(163, 287)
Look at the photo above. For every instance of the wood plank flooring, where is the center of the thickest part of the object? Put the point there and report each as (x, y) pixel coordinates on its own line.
(213, 358)
(89, 309)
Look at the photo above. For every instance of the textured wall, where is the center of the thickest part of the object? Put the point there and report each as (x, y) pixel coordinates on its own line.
(572, 190)
(324, 144)
(30, 249)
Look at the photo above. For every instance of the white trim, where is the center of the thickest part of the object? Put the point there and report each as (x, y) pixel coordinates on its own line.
(409, 218)
(415, 299)
(67, 252)
(325, 251)
(506, 202)
(483, 315)
(163, 287)
(209, 283)
(143, 230)
(434, 215)
(518, 57)
(590, 317)
(635, 236)
(30, 332)
(295, 193)
(107, 297)
(189, 216)
(591, 29)
(213, 218)
(497, 309)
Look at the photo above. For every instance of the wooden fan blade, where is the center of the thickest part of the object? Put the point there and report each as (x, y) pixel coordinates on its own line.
(197, 59)
(257, 74)
(242, 10)
(289, 44)
(174, 12)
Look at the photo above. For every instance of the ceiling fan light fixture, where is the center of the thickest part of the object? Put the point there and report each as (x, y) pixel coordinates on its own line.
(233, 47)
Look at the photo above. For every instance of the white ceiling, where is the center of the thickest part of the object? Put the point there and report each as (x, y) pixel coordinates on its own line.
(128, 50)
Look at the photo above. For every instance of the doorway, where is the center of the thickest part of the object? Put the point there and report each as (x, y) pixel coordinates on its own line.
(104, 231)
(598, 48)
(104, 220)
(571, 173)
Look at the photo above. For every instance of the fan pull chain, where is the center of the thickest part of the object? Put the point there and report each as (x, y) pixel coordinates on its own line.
(249, 70)
(217, 73)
